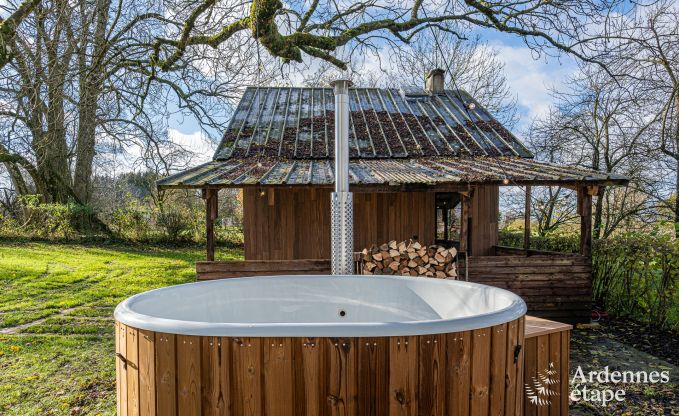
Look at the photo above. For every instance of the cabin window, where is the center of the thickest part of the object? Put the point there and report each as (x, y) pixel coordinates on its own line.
(448, 219)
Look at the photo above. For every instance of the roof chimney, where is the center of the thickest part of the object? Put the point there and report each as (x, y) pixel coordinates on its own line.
(434, 81)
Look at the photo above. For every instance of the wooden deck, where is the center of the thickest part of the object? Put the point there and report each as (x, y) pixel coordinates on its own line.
(212, 270)
(554, 286)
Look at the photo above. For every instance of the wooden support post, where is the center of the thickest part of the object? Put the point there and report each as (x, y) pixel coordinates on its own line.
(526, 221)
(211, 204)
(585, 213)
(465, 207)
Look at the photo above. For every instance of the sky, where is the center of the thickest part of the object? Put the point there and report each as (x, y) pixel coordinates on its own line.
(530, 78)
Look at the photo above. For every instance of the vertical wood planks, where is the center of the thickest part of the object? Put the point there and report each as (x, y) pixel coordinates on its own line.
(458, 364)
(432, 390)
(188, 375)
(480, 372)
(511, 368)
(555, 365)
(132, 355)
(342, 377)
(306, 212)
(564, 371)
(403, 376)
(373, 376)
(483, 214)
(278, 376)
(166, 374)
(247, 376)
(519, 401)
(465, 373)
(215, 376)
(498, 360)
(546, 358)
(530, 374)
(309, 369)
(542, 368)
(147, 372)
(121, 368)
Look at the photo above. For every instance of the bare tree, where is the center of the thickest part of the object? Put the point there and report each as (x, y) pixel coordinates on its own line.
(330, 31)
(599, 124)
(8, 26)
(79, 86)
(552, 208)
(470, 64)
(649, 63)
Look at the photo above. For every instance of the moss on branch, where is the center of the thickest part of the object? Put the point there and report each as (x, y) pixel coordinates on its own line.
(261, 22)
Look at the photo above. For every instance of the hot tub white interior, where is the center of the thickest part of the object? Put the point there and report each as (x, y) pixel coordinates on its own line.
(319, 306)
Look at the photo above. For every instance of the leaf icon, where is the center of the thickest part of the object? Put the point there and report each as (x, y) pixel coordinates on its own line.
(538, 392)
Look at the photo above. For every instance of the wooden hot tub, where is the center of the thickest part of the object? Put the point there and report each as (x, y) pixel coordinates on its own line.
(321, 345)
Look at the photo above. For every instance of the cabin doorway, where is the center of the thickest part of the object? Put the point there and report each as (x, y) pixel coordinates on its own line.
(448, 215)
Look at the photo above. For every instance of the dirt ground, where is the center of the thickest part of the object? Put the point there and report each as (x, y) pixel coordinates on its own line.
(623, 346)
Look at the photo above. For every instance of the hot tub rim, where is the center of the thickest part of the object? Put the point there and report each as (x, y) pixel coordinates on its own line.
(126, 315)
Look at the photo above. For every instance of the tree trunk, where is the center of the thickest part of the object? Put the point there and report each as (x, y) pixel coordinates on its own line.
(50, 146)
(676, 158)
(676, 199)
(17, 179)
(90, 89)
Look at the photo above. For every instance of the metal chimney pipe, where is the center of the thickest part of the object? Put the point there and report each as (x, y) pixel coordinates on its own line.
(341, 201)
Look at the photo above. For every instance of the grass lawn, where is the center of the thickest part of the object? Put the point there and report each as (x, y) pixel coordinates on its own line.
(58, 301)
(61, 362)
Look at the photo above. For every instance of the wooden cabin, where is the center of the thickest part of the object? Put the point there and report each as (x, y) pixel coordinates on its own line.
(425, 164)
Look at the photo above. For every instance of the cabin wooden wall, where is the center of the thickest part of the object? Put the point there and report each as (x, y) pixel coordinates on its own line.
(288, 223)
(485, 211)
(380, 217)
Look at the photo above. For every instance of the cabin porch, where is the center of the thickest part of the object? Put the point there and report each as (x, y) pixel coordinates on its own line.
(287, 232)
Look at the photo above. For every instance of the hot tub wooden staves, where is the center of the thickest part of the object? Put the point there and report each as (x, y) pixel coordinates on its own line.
(465, 373)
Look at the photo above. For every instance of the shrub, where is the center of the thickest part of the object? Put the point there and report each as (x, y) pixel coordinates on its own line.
(132, 221)
(34, 219)
(636, 275)
(560, 242)
(231, 236)
(173, 222)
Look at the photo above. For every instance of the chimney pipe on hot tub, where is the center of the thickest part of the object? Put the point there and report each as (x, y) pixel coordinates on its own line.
(341, 201)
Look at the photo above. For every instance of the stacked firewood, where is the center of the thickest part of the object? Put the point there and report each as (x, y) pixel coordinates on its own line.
(409, 258)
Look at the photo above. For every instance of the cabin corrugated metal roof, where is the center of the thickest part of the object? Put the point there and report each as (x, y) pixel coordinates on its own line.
(298, 124)
(264, 171)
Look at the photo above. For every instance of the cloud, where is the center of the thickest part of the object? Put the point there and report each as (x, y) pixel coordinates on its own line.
(181, 150)
(531, 78)
(195, 142)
